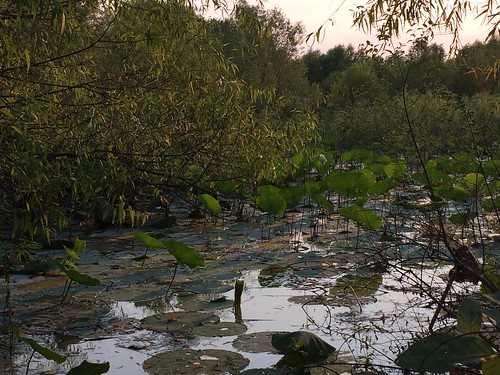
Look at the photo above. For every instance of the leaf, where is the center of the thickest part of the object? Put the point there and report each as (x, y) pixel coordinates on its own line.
(351, 184)
(225, 187)
(438, 352)
(47, 353)
(357, 155)
(88, 368)
(184, 254)
(491, 366)
(211, 203)
(383, 186)
(28, 59)
(365, 218)
(396, 170)
(292, 195)
(469, 317)
(462, 218)
(323, 202)
(71, 253)
(149, 241)
(77, 276)
(494, 315)
(311, 346)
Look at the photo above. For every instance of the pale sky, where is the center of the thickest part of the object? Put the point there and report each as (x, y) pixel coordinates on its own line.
(336, 17)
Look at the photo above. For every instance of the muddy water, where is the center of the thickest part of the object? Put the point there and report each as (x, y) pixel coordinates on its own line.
(327, 279)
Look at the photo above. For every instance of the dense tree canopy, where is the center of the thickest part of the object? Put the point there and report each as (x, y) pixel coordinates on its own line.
(103, 101)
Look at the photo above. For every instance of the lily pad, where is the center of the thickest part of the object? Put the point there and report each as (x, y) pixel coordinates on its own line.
(190, 361)
(259, 342)
(178, 321)
(362, 285)
(219, 329)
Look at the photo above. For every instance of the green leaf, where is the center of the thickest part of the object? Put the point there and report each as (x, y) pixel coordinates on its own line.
(225, 187)
(357, 155)
(211, 203)
(88, 368)
(438, 352)
(271, 204)
(308, 344)
(365, 218)
(147, 240)
(462, 218)
(79, 246)
(491, 366)
(71, 253)
(322, 202)
(269, 200)
(494, 315)
(396, 170)
(47, 353)
(293, 196)
(471, 183)
(184, 254)
(351, 184)
(469, 317)
(383, 186)
(77, 276)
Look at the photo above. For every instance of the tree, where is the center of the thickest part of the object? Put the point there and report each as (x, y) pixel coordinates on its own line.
(102, 103)
(390, 18)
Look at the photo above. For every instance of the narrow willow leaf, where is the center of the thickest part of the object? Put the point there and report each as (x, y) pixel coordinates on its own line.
(88, 368)
(147, 240)
(28, 59)
(469, 317)
(47, 353)
(184, 254)
(211, 203)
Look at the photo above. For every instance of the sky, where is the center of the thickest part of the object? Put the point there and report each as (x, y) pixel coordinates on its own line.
(336, 17)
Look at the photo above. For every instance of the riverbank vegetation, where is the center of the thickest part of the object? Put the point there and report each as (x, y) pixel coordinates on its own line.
(110, 109)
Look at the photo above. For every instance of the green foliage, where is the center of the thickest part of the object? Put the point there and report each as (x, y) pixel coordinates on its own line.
(76, 276)
(362, 216)
(351, 184)
(147, 240)
(88, 368)
(211, 203)
(301, 348)
(47, 353)
(269, 200)
(184, 254)
(438, 352)
(469, 317)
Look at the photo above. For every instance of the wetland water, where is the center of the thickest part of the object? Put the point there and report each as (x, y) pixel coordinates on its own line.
(326, 278)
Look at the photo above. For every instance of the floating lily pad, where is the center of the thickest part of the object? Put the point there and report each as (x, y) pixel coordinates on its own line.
(259, 342)
(219, 329)
(362, 285)
(266, 371)
(177, 321)
(189, 361)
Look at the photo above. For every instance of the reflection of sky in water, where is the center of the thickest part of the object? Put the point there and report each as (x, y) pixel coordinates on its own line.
(373, 326)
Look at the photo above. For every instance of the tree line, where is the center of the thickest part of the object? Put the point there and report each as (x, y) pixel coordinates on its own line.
(105, 105)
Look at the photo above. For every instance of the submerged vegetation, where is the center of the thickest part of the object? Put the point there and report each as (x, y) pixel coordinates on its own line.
(113, 110)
